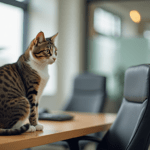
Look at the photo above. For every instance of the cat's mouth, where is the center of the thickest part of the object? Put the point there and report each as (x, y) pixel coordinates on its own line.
(51, 61)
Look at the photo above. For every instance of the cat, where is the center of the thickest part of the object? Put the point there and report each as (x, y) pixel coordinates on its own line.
(21, 86)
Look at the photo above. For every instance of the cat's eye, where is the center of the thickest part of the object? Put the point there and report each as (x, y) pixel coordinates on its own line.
(56, 53)
(47, 51)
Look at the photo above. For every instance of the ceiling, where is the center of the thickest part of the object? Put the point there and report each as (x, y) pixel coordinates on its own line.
(143, 7)
(124, 7)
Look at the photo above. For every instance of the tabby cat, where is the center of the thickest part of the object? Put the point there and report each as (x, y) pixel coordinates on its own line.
(21, 86)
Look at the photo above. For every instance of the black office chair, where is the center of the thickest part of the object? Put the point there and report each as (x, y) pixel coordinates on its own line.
(89, 89)
(131, 129)
(89, 94)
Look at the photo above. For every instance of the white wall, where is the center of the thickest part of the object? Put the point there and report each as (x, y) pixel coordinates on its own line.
(65, 17)
(71, 29)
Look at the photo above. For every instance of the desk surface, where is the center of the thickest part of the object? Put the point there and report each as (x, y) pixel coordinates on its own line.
(82, 124)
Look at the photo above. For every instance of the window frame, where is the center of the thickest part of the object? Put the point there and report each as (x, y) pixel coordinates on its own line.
(23, 5)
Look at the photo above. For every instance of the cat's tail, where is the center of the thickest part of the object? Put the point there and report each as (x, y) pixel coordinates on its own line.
(21, 130)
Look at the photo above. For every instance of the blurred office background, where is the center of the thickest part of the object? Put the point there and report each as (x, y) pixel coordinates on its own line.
(118, 37)
(113, 41)
(101, 37)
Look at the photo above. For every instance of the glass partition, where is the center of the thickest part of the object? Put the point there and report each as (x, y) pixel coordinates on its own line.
(119, 34)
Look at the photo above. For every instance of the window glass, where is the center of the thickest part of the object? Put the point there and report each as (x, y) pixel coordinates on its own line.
(51, 86)
(106, 23)
(11, 33)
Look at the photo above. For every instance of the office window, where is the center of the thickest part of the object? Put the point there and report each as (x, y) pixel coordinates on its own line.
(146, 34)
(20, 0)
(51, 86)
(11, 33)
(106, 23)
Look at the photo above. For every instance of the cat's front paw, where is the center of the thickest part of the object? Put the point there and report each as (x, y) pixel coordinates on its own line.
(39, 127)
(31, 129)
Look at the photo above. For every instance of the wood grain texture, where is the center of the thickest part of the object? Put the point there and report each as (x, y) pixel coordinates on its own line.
(82, 124)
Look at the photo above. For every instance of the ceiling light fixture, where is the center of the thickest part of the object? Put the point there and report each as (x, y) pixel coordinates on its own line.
(135, 16)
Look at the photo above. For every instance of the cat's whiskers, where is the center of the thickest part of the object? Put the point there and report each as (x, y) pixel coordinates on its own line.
(59, 58)
(58, 62)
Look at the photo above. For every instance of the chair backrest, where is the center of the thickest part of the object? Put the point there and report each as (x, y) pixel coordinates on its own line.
(89, 93)
(131, 129)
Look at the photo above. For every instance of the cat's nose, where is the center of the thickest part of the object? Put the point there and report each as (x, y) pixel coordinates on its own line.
(54, 59)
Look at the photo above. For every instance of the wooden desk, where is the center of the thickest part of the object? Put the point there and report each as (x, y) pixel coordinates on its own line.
(83, 124)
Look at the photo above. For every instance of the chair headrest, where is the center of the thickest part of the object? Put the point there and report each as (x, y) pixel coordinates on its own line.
(136, 84)
(90, 82)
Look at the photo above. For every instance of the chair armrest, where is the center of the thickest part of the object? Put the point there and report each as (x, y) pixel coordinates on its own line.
(73, 143)
(89, 138)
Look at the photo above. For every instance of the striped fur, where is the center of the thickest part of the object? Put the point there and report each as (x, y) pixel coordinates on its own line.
(21, 86)
(21, 130)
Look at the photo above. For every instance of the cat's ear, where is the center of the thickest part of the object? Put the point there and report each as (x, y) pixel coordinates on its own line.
(52, 39)
(40, 38)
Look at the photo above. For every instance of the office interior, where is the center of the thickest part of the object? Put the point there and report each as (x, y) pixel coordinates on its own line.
(99, 37)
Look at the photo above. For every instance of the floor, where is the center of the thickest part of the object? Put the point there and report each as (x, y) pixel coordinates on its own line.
(51, 147)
